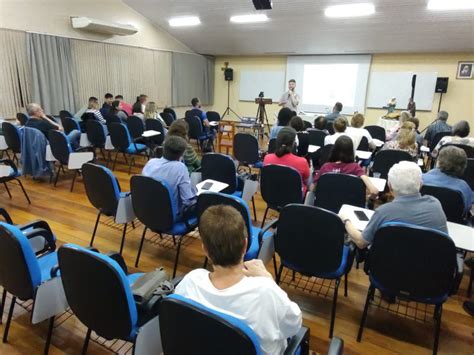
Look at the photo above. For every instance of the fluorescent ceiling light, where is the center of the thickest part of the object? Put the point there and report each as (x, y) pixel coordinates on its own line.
(350, 10)
(451, 4)
(249, 18)
(184, 21)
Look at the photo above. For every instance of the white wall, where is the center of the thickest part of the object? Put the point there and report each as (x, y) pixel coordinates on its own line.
(53, 17)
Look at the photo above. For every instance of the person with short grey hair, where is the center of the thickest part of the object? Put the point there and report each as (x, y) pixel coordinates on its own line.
(450, 167)
(436, 127)
(404, 180)
(461, 131)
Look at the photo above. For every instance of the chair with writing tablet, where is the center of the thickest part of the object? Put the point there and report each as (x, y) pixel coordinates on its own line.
(321, 156)
(376, 132)
(385, 159)
(316, 137)
(451, 201)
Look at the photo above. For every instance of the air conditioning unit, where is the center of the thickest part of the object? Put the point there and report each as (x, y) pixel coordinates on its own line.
(99, 26)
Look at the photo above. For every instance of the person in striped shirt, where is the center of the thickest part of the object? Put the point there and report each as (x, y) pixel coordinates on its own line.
(191, 160)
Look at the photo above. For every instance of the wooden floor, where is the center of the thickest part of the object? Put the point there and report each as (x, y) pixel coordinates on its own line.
(72, 218)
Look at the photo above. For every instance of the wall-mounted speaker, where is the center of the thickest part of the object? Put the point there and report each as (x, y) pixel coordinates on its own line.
(229, 74)
(442, 85)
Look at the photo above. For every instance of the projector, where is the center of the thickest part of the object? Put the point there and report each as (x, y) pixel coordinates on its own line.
(262, 4)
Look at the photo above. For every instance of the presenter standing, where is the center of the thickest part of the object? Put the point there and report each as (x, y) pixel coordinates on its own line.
(290, 98)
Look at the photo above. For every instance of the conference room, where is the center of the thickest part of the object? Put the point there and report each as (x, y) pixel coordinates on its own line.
(236, 177)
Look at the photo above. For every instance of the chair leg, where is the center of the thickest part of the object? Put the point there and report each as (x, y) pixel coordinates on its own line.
(57, 175)
(254, 210)
(264, 217)
(50, 334)
(346, 276)
(469, 286)
(115, 161)
(73, 180)
(174, 240)
(141, 246)
(86, 341)
(130, 165)
(95, 229)
(438, 313)
(275, 265)
(9, 319)
(123, 238)
(333, 311)
(2, 306)
(177, 256)
(24, 191)
(8, 190)
(370, 295)
(278, 275)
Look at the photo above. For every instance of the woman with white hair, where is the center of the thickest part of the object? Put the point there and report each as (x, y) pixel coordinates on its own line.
(404, 180)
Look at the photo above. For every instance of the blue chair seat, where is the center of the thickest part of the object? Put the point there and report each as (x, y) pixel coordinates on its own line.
(180, 228)
(252, 251)
(237, 194)
(46, 263)
(134, 277)
(136, 148)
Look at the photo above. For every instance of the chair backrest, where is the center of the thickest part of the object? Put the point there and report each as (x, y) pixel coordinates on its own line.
(309, 239)
(271, 146)
(385, 159)
(414, 261)
(219, 167)
(195, 127)
(245, 148)
(112, 118)
(65, 113)
(167, 117)
(469, 173)
(95, 133)
(153, 203)
(87, 116)
(12, 137)
(334, 190)
(155, 125)
(437, 137)
(321, 156)
(98, 292)
(69, 124)
(451, 201)
(171, 112)
(213, 116)
(215, 332)
(208, 199)
(376, 132)
(316, 137)
(102, 188)
(467, 149)
(135, 126)
(364, 144)
(280, 185)
(303, 143)
(22, 118)
(330, 127)
(120, 136)
(307, 125)
(60, 146)
(20, 273)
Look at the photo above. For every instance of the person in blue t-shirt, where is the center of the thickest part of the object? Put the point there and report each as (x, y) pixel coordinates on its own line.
(199, 112)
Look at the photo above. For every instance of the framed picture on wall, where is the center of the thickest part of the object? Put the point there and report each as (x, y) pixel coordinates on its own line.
(465, 70)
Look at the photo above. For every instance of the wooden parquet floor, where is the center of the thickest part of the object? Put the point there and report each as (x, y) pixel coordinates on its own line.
(72, 218)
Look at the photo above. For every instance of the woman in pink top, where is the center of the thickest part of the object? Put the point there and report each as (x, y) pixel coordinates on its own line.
(341, 161)
(283, 155)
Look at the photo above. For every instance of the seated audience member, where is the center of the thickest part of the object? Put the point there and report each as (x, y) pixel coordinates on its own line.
(336, 112)
(283, 120)
(283, 155)
(94, 108)
(340, 126)
(244, 290)
(419, 136)
(199, 112)
(405, 140)
(320, 124)
(171, 170)
(437, 126)
(40, 121)
(460, 136)
(191, 160)
(123, 105)
(341, 161)
(117, 111)
(450, 166)
(356, 132)
(83, 109)
(404, 180)
(393, 131)
(151, 111)
(107, 105)
(302, 137)
(138, 108)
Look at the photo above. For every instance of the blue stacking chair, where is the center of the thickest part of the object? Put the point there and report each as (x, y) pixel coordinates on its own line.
(154, 206)
(260, 240)
(415, 264)
(123, 143)
(310, 240)
(98, 290)
(215, 332)
(197, 132)
(14, 175)
(30, 275)
(104, 193)
(12, 139)
(246, 151)
(69, 124)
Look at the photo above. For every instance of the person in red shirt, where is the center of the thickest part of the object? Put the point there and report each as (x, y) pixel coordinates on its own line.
(283, 155)
(341, 161)
(123, 105)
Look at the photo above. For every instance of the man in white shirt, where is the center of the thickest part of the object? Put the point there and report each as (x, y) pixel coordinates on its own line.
(290, 98)
(244, 290)
(340, 126)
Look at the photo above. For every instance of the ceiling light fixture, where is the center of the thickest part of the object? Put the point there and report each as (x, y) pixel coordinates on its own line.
(249, 18)
(450, 4)
(184, 21)
(350, 10)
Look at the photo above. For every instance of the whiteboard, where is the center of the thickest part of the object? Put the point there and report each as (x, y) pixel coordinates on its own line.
(272, 83)
(385, 85)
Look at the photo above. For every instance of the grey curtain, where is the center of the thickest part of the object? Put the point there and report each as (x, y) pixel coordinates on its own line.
(52, 72)
(192, 76)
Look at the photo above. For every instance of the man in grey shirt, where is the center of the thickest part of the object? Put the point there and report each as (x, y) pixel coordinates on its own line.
(405, 180)
(290, 98)
(336, 112)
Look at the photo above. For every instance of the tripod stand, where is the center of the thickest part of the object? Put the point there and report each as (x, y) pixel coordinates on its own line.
(262, 117)
(228, 110)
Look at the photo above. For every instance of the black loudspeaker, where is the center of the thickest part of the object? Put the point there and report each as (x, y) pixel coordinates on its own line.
(442, 85)
(229, 74)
